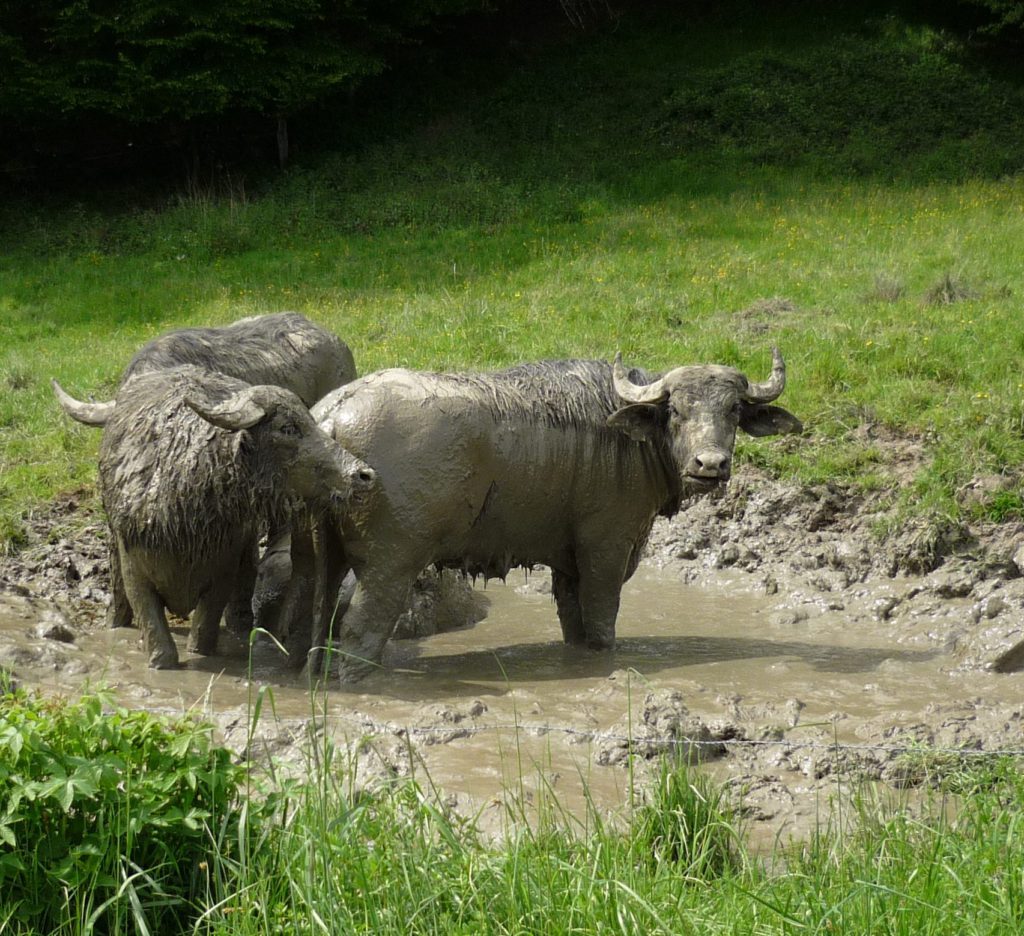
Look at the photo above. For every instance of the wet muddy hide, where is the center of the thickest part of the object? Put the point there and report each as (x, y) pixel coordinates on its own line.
(561, 463)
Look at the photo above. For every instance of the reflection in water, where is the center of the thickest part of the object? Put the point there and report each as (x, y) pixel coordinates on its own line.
(540, 662)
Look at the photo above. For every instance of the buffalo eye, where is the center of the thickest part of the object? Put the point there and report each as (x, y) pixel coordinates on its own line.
(290, 429)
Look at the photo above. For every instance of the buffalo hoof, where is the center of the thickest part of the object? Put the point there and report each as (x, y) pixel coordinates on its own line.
(164, 658)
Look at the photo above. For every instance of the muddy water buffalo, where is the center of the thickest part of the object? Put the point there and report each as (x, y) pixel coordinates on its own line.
(193, 467)
(564, 463)
(284, 349)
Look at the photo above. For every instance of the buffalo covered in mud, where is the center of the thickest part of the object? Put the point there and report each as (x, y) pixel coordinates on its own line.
(563, 463)
(284, 349)
(193, 468)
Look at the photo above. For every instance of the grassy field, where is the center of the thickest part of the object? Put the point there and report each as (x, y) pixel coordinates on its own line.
(845, 186)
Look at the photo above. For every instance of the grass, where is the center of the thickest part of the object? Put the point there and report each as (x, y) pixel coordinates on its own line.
(674, 189)
(124, 843)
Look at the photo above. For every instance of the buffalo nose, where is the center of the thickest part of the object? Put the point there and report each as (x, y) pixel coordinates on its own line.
(711, 465)
(364, 476)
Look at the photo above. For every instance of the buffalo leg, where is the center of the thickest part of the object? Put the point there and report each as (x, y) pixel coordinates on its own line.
(148, 609)
(276, 573)
(238, 616)
(119, 614)
(330, 566)
(205, 628)
(600, 587)
(566, 590)
(369, 622)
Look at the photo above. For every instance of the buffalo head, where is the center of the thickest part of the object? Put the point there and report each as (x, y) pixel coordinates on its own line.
(696, 410)
(310, 463)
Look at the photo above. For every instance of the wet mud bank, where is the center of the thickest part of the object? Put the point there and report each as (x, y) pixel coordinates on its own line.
(768, 633)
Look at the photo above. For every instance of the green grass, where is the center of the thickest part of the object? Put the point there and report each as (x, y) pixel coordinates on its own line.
(647, 189)
(119, 822)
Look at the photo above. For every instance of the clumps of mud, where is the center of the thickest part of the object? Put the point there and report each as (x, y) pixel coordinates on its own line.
(937, 583)
(665, 727)
(65, 560)
(941, 588)
(442, 600)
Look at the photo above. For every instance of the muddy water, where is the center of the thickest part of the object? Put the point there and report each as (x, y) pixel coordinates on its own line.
(504, 706)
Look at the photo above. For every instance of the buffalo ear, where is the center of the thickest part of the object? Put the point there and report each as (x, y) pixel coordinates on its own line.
(759, 420)
(640, 421)
(238, 411)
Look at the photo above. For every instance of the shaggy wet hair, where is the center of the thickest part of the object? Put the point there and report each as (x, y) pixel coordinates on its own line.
(571, 394)
(284, 349)
(170, 479)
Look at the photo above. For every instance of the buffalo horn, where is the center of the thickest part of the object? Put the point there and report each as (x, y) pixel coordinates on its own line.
(773, 386)
(239, 411)
(92, 414)
(636, 393)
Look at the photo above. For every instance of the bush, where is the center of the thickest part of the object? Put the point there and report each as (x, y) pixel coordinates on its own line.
(108, 818)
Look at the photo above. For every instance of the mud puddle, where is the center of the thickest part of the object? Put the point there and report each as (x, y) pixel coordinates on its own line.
(766, 696)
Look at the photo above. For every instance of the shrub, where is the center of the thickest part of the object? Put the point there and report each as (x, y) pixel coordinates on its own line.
(852, 107)
(108, 817)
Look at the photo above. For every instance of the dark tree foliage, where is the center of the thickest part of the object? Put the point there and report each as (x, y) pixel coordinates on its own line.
(168, 63)
(1001, 16)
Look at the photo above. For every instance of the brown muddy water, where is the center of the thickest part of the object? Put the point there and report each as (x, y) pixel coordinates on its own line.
(502, 711)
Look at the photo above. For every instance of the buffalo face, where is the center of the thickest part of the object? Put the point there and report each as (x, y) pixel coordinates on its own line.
(696, 411)
(310, 463)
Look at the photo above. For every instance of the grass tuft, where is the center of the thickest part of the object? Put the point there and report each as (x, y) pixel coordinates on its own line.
(949, 290)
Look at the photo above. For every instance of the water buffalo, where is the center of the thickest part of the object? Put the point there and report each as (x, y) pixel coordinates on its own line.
(565, 463)
(193, 467)
(284, 349)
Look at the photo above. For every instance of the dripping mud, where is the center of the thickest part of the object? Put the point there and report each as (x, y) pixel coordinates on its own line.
(769, 634)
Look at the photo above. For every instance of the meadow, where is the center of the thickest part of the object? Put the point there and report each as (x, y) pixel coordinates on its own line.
(683, 192)
(844, 183)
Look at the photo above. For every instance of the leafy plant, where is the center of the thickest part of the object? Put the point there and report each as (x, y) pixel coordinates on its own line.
(109, 816)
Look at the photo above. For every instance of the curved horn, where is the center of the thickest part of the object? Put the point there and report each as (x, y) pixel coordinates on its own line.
(91, 414)
(239, 411)
(772, 388)
(635, 393)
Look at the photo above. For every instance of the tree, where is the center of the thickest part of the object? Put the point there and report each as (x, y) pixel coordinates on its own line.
(172, 62)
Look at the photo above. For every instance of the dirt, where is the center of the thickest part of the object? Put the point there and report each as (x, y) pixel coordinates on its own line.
(770, 633)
